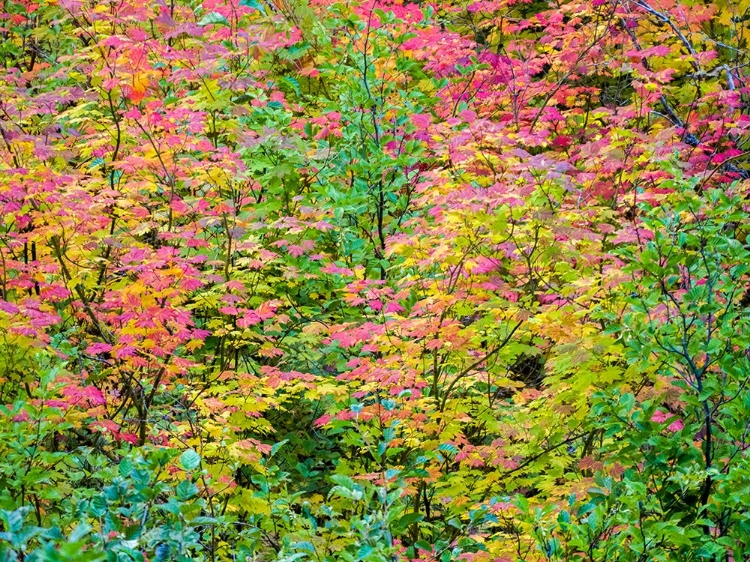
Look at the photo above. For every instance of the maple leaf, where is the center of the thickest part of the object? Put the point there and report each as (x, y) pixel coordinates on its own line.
(97, 348)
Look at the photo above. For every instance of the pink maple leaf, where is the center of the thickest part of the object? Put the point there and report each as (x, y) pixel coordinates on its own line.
(97, 348)
(93, 395)
(295, 250)
(393, 306)
(8, 307)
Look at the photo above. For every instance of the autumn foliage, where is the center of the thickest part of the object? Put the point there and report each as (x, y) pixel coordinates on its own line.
(376, 280)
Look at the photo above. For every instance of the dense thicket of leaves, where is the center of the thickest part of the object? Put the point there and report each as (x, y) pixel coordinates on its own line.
(374, 280)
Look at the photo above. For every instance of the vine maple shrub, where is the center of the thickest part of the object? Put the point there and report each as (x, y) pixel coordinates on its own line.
(375, 280)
